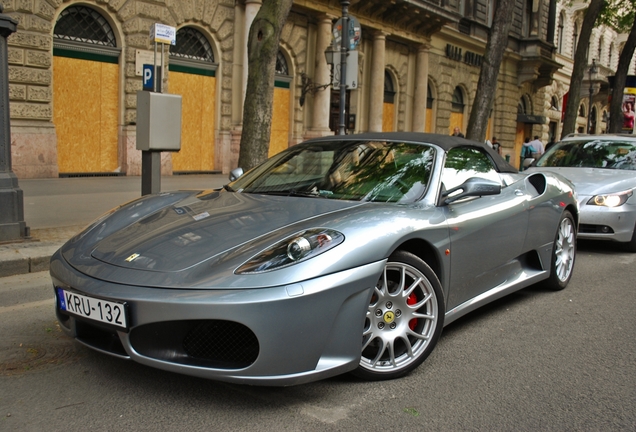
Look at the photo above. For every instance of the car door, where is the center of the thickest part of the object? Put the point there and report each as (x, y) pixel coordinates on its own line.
(486, 233)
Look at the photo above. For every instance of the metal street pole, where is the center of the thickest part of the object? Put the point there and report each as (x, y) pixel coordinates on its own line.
(593, 69)
(12, 224)
(344, 49)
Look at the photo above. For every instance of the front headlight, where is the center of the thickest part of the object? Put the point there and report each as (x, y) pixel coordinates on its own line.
(610, 200)
(297, 248)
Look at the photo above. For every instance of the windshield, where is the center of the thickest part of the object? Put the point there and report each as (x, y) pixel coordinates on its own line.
(610, 154)
(360, 170)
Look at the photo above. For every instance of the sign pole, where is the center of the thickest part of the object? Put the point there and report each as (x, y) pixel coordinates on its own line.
(151, 159)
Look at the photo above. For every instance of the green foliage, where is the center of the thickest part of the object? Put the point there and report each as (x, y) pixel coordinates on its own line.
(463, 159)
(618, 14)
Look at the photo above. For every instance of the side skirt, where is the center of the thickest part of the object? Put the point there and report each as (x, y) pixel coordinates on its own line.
(523, 280)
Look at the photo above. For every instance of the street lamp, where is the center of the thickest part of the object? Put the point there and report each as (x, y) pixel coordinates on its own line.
(344, 48)
(12, 224)
(593, 70)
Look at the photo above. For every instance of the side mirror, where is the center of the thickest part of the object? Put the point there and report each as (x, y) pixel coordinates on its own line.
(473, 187)
(236, 173)
(527, 162)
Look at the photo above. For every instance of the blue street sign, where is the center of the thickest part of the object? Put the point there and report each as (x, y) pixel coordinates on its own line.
(148, 77)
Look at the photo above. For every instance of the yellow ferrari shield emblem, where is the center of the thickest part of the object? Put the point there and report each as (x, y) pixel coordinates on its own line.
(389, 317)
(132, 257)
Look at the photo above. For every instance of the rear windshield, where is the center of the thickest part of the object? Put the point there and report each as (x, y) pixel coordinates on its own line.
(610, 154)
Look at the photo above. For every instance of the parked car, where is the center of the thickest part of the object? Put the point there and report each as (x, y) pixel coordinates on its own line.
(603, 171)
(344, 253)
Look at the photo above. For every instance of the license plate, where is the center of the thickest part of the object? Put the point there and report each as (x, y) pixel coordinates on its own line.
(91, 308)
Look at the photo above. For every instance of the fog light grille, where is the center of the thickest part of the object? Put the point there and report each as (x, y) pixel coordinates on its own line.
(595, 229)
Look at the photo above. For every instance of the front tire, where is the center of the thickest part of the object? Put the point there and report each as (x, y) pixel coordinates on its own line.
(563, 253)
(404, 319)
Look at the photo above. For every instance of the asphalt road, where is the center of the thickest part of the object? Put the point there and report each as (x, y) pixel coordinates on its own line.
(536, 360)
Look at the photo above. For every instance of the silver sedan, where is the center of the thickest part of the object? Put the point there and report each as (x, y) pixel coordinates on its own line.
(603, 171)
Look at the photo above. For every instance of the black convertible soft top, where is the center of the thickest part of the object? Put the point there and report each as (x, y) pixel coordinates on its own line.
(446, 142)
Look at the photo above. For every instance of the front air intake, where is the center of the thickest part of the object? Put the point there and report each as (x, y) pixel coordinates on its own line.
(216, 344)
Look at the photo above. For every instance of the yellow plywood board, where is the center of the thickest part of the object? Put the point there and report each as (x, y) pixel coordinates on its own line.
(109, 116)
(429, 120)
(388, 117)
(198, 96)
(456, 120)
(85, 95)
(279, 137)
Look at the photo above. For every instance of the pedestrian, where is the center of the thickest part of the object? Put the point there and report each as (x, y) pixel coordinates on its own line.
(526, 150)
(628, 117)
(548, 145)
(495, 145)
(537, 147)
(458, 132)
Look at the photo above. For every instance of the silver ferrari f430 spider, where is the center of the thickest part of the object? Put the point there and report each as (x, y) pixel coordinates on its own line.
(341, 254)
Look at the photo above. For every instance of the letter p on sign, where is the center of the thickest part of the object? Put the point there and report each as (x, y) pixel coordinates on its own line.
(148, 77)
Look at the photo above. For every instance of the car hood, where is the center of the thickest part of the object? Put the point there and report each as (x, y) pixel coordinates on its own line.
(199, 227)
(593, 181)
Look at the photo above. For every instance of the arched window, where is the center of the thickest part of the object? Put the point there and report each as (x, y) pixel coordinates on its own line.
(554, 103)
(429, 97)
(389, 88)
(457, 104)
(83, 24)
(611, 51)
(527, 18)
(281, 64)
(560, 35)
(575, 39)
(582, 112)
(193, 45)
(599, 53)
(522, 106)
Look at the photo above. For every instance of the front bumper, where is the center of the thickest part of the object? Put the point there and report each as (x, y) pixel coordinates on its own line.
(604, 223)
(282, 335)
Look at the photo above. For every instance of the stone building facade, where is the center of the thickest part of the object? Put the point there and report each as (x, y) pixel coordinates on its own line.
(75, 70)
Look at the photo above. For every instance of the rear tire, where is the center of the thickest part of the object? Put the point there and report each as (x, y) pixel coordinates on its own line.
(563, 253)
(404, 319)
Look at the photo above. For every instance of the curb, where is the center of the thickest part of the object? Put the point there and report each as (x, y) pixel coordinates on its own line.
(18, 259)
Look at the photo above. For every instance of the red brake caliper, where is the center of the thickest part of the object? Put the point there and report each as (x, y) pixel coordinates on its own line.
(411, 301)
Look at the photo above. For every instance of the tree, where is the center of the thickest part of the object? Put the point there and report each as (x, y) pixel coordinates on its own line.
(262, 48)
(580, 66)
(487, 84)
(612, 15)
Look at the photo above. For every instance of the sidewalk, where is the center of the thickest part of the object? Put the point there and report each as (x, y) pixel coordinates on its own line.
(55, 209)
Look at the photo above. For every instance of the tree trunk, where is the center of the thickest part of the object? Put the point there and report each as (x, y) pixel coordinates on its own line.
(616, 112)
(262, 48)
(489, 73)
(580, 67)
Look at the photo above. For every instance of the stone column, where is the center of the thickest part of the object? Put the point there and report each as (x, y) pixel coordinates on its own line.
(376, 85)
(322, 75)
(421, 89)
(12, 225)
